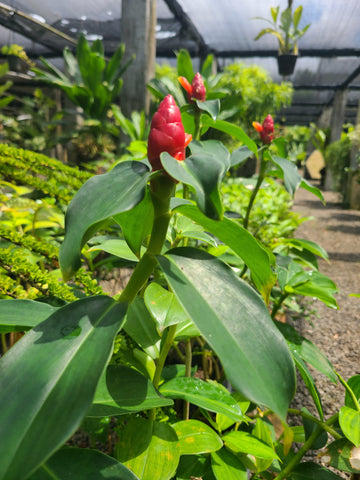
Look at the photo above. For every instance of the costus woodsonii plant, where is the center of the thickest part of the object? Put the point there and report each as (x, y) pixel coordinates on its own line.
(189, 360)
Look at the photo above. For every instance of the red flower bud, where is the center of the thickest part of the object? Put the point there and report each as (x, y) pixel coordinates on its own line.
(196, 90)
(266, 130)
(167, 133)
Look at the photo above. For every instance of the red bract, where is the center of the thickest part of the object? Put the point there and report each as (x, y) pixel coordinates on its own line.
(266, 130)
(167, 133)
(196, 90)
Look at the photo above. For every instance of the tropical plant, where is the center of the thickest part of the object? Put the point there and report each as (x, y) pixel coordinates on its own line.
(287, 31)
(203, 372)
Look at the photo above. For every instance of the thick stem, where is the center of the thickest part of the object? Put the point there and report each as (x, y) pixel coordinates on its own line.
(330, 430)
(162, 188)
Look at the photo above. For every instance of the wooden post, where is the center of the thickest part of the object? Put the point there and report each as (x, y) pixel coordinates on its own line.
(336, 124)
(138, 22)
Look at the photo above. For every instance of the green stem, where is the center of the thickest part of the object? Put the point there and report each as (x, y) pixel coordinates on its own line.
(331, 431)
(256, 189)
(278, 304)
(197, 130)
(188, 361)
(171, 331)
(162, 188)
(304, 449)
(349, 390)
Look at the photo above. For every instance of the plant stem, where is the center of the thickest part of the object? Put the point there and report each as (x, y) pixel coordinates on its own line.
(256, 189)
(188, 360)
(304, 449)
(162, 188)
(278, 305)
(330, 430)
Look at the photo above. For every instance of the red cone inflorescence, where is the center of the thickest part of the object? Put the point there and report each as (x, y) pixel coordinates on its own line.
(167, 133)
(196, 90)
(266, 130)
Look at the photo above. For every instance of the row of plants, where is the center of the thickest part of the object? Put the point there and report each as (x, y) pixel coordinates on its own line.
(190, 361)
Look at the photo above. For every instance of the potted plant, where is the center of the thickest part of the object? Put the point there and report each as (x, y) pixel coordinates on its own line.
(285, 28)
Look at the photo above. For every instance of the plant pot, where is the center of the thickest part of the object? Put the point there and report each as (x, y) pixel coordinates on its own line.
(16, 64)
(286, 63)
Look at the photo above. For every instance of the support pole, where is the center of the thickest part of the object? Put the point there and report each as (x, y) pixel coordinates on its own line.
(138, 22)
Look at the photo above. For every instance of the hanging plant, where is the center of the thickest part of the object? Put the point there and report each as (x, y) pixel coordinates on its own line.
(287, 34)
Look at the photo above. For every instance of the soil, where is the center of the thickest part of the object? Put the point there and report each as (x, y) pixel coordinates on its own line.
(335, 332)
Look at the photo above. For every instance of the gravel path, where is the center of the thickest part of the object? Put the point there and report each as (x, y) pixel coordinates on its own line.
(335, 332)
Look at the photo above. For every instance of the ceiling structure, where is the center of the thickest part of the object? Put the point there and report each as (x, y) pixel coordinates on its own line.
(329, 52)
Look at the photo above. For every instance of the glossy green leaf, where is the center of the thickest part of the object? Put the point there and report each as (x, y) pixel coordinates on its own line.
(349, 420)
(117, 247)
(291, 176)
(136, 224)
(48, 379)
(99, 199)
(309, 382)
(82, 464)
(244, 442)
(302, 244)
(354, 384)
(312, 471)
(232, 130)
(259, 260)
(316, 285)
(141, 328)
(196, 437)
(262, 432)
(204, 172)
(149, 449)
(122, 390)
(343, 455)
(307, 351)
(212, 107)
(21, 315)
(208, 395)
(227, 466)
(223, 422)
(236, 323)
(312, 189)
(164, 307)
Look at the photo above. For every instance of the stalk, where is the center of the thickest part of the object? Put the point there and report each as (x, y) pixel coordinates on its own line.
(256, 189)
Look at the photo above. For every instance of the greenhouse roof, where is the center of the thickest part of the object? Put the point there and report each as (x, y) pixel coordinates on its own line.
(329, 51)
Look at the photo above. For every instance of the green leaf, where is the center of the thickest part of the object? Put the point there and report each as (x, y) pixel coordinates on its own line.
(235, 322)
(309, 428)
(117, 247)
(310, 188)
(239, 155)
(48, 379)
(259, 260)
(100, 198)
(297, 16)
(302, 244)
(136, 223)
(349, 420)
(21, 315)
(123, 390)
(290, 174)
(262, 432)
(354, 384)
(227, 466)
(314, 284)
(204, 172)
(114, 65)
(309, 382)
(193, 466)
(208, 395)
(141, 328)
(307, 351)
(312, 471)
(244, 442)
(232, 130)
(82, 464)
(343, 455)
(196, 437)
(212, 107)
(164, 307)
(222, 421)
(149, 449)
(184, 65)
